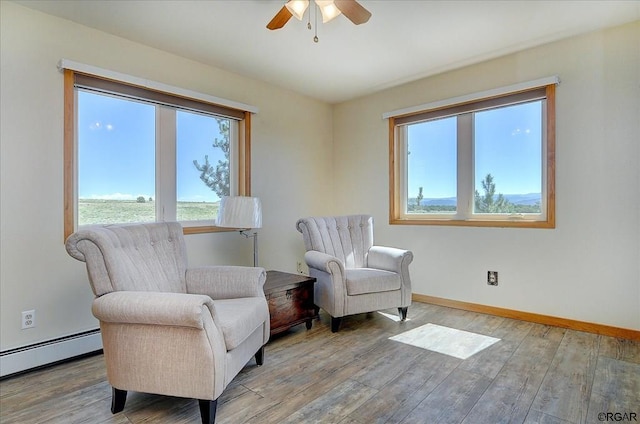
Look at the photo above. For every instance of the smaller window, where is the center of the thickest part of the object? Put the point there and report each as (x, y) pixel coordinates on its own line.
(485, 162)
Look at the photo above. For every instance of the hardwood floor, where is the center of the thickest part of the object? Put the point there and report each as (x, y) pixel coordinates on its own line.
(534, 374)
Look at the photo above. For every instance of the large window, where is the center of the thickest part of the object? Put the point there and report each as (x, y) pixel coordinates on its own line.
(482, 162)
(137, 155)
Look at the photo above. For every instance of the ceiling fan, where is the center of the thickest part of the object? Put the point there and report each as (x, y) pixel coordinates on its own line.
(329, 9)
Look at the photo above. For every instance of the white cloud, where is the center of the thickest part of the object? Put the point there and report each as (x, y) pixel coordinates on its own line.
(99, 125)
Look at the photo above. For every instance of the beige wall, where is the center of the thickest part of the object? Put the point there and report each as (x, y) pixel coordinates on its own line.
(292, 145)
(588, 268)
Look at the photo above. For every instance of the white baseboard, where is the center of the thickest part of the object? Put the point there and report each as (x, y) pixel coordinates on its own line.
(39, 354)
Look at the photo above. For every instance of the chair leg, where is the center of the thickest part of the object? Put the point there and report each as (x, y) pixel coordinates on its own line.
(260, 356)
(118, 398)
(403, 313)
(335, 324)
(208, 410)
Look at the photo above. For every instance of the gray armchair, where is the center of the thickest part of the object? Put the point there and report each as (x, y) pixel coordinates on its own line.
(166, 328)
(354, 276)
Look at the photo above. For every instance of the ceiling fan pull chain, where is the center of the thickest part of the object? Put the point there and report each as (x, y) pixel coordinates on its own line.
(315, 38)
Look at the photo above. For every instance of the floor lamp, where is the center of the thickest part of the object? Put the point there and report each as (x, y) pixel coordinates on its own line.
(242, 213)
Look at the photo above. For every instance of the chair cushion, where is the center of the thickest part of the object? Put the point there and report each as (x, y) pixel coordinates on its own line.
(238, 318)
(369, 280)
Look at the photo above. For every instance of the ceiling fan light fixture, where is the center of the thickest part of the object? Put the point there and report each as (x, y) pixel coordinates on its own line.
(297, 8)
(328, 10)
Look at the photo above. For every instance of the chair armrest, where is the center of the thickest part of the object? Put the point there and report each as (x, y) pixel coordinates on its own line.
(389, 258)
(324, 262)
(226, 282)
(153, 308)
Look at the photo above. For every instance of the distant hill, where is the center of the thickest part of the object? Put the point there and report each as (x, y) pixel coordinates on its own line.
(524, 199)
(446, 201)
(516, 199)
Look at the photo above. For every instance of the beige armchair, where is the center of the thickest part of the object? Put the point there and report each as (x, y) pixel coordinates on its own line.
(354, 276)
(166, 328)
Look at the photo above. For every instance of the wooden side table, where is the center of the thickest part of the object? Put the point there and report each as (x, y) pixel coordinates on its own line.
(290, 298)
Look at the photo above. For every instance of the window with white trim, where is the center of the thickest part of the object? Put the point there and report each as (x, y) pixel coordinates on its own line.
(133, 154)
(489, 161)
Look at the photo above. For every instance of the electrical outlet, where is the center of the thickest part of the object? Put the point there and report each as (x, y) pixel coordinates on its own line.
(299, 268)
(492, 278)
(28, 319)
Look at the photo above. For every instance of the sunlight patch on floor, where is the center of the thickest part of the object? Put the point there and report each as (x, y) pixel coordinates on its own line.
(452, 342)
(392, 317)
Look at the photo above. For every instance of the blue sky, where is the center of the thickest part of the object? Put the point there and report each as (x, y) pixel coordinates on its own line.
(507, 145)
(195, 135)
(116, 149)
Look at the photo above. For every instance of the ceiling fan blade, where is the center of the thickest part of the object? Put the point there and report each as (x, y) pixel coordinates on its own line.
(281, 18)
(353, 11)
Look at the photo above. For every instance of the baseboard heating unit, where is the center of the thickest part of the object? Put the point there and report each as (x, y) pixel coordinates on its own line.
(25, 358)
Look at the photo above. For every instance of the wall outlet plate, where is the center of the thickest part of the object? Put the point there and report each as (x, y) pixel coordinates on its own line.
(28, 319)
(492, 278)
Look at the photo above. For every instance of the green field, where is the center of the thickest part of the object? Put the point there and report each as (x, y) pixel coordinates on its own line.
(91, 211)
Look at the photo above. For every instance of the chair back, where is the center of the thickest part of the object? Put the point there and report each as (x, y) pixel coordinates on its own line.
(348, 238)
(132, 257)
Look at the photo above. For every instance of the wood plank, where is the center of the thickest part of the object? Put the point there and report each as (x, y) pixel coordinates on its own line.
(616, 388)
(241, 408)
(484, 324)
(334, 405)
(284, 407)
(537, 417)
(452, 400)
(559, 376)
(281, 382)
(491, 360)
(512, 330)
(40, 386)
(565, 391)
(385, 366)
(508, 398)
(623, 349)
(78, 406)
(400, 396)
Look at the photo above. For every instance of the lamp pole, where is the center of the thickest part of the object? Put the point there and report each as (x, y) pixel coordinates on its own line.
(255, 245)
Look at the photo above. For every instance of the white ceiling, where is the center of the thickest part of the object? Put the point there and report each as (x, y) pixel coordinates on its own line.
(403, 40)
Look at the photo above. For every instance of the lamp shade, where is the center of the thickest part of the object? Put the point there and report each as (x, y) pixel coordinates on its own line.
(297, 8)
(239, 212)
(328, 10)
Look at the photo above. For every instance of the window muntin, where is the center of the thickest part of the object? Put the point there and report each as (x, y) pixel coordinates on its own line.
(160, 163)
(508, 138)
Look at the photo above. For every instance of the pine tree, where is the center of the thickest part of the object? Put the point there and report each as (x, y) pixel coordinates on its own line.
(419, 199)
(217, 178)
(487, 203)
